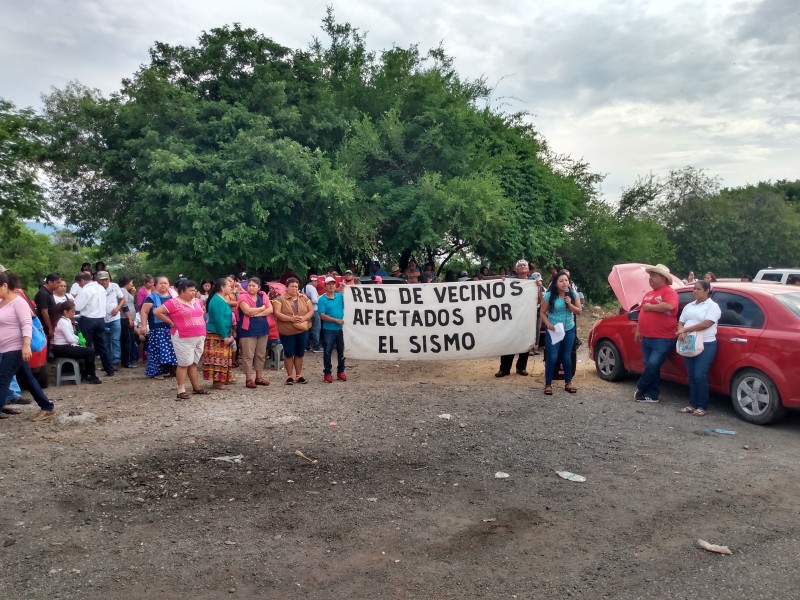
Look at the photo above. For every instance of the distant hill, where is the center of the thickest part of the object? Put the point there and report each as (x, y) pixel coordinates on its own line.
(37, 227)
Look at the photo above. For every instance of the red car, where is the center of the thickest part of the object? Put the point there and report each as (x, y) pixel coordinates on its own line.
(758, 342)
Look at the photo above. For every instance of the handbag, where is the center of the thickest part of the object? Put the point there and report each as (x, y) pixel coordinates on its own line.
(38, 339)
(302, 325)
(692, 344)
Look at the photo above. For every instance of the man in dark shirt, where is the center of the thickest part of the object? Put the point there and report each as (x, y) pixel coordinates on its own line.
(46, 302)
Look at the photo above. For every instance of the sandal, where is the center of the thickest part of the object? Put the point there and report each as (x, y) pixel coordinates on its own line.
(289, 381)
(43, 414)
(301, 379)
(182, 396)
(548, 390)
(687, 410)
(700, 412)
(571, 388)
(11, 411)
(261, 381)
(200, 392)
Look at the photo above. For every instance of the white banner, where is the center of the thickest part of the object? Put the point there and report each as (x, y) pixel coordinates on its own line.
(440, 321)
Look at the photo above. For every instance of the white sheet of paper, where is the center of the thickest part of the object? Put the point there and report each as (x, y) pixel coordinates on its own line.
(557, 334)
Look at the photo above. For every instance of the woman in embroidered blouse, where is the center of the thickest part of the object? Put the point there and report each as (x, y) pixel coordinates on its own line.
(161, 357)
(218, 352)
(559, 305)
(184, 315)
(253, 330)
(293, 312)
(700, 316)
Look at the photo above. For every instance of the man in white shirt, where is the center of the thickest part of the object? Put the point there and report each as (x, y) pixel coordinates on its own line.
(115, 300)
(90, 301)
(313, 295)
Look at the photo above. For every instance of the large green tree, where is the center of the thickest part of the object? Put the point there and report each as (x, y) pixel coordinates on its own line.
(240, 149)
(21, 193)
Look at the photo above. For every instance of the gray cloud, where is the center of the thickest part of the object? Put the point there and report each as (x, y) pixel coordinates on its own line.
(631, 86)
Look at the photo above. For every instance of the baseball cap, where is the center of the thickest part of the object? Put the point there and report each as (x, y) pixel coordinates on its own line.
(313, 278)
(330, 280)
(377, 279)
(102, 275)
(521, 263)
(348, 272)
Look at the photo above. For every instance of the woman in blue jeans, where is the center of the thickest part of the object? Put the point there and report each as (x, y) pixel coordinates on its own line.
(700, 316)
(559, 305)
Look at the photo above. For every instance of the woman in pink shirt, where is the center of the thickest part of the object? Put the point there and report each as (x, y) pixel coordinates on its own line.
(184, 315)
(15, 336)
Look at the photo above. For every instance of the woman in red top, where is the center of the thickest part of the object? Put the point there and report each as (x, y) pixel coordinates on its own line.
(184, 315)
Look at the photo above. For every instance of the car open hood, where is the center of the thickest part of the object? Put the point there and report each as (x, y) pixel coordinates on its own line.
(630, 282)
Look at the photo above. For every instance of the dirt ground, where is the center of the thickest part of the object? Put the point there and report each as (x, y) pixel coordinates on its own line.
(399, 502)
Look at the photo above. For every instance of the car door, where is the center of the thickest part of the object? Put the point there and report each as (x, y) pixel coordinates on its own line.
(738, 330)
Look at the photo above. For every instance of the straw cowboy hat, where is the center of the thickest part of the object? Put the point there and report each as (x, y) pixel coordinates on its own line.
(662, 270)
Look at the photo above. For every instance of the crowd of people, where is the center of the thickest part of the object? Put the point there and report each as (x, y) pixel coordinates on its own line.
(204, 331)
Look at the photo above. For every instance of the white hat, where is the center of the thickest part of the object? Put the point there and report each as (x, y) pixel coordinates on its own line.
(662, 270)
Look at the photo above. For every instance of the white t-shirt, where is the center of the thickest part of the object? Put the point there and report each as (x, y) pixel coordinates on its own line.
(113, 294)
(694, 314)
(312, 293)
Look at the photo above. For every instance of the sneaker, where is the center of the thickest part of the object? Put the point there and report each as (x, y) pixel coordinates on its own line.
(317, 350)
(647, 399)
(638, 396)
(341, 376)
(328, 379)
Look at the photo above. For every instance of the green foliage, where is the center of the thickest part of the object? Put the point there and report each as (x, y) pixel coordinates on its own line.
(33, 255)
(731, 231)
(20, 152)
(602, 238)
(241, 150)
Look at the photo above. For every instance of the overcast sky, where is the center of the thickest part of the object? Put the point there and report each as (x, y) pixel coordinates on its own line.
(630, 86)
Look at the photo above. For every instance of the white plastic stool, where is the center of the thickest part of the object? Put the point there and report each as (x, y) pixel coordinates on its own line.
(76, 371)
(276, 362)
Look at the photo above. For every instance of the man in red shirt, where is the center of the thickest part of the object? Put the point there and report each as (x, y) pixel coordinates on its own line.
(656, 327)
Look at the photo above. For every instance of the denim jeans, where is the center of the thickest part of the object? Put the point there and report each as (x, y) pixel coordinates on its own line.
(94, 332)
(697, 368)
(314, 332)
(654, 352)
(113, 331)
(331, 338)
(559, 353)
(9, 363)
(25, 375)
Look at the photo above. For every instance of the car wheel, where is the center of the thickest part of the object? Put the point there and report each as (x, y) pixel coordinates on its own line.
(608, 361)
(755, 398)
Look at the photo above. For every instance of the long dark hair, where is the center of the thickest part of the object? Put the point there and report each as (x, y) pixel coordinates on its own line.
(216, 288)
(61, 309)
(553, 290)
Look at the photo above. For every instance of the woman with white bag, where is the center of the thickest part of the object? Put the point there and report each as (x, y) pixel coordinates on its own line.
(697, 343)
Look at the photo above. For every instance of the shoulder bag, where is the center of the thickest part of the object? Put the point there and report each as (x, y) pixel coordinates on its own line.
(38, 339)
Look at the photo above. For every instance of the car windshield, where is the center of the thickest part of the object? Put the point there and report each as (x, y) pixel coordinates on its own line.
(790, 301)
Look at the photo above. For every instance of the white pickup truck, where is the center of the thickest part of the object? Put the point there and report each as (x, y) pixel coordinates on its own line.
(776, 275)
